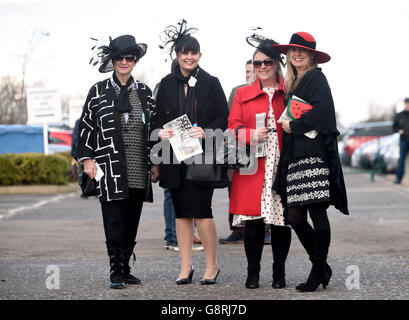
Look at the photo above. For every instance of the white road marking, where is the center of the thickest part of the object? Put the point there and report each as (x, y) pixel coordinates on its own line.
(12, 212)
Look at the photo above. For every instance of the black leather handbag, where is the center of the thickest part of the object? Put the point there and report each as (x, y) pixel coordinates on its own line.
(88, 186)
(212, 174)
(234, 155)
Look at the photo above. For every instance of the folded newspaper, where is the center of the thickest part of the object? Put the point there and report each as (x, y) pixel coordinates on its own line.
(286, 115)
(183, 145)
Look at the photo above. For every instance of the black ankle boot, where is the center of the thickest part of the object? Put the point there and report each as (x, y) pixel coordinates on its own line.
(318, 276)
(253, 276)
(128, 277)
(116, 277)
(278, 276)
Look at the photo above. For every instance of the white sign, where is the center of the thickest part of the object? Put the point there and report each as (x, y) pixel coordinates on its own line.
(43, 106)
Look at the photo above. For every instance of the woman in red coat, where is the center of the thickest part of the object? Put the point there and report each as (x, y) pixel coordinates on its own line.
(252, 200)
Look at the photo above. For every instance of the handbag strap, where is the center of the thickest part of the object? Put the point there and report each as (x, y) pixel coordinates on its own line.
(196, 111)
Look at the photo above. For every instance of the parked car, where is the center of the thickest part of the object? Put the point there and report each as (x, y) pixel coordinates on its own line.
(59, 140)
(361, 133)
(388, 154)
(380, 153)
(62, 137)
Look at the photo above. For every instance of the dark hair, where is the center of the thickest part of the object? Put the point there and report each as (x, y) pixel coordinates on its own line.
(249, 62)
(406, 100)
(186, 44)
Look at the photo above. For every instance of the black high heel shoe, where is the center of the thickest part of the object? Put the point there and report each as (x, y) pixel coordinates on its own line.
(188, 279)
(329, 271)
(210, 281)
(317, 277)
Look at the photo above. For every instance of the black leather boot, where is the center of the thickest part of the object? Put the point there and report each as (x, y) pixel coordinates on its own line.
(253, 276)
(318, 276)
(116, 277)
(306, 237)
(319, 272)
(128, 277)
(278, 276)
(280, 244)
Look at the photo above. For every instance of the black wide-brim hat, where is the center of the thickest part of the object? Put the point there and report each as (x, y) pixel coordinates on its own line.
(121, 45)
(306, 41)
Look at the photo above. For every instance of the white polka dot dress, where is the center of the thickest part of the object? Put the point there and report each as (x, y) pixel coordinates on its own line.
(271, 206)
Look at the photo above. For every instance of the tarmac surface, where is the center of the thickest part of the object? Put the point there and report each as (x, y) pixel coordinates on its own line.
(52, 246)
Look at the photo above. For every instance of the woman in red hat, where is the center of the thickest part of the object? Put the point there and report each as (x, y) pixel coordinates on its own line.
(252, 200)
(309, 177)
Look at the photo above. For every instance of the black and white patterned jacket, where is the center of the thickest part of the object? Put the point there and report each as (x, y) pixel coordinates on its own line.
(101, 138)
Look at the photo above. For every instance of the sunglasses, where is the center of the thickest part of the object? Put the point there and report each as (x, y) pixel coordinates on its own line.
(128, 58)
(267, 63)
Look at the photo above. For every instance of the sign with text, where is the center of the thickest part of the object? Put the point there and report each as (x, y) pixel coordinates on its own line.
(43, 106)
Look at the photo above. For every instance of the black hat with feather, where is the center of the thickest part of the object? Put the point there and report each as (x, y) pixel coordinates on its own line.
(176, 38)
(265, 46)
(121, 45)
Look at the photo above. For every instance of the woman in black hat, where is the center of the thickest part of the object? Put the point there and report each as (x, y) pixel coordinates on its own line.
(252, 200)
(114, 131)
(310, 177)
(192, 91)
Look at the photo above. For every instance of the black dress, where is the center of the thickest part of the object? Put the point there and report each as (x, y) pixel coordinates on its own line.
(211, 112)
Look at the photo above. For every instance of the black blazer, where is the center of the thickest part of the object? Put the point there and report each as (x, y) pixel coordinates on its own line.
(212, 113)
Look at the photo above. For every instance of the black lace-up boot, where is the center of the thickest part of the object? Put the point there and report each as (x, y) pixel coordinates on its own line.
(128, 277)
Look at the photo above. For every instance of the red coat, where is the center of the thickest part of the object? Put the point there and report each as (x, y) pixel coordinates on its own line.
(245, 196)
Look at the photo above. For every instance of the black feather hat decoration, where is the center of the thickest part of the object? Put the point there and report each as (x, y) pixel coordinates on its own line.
(173, 37)
(105, 54)
(264, 45)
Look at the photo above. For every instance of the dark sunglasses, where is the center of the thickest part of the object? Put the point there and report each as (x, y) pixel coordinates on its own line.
(267, 63)
(128, 58)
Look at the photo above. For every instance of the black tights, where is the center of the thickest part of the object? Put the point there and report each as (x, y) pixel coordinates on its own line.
(316, 241)
(254, 242)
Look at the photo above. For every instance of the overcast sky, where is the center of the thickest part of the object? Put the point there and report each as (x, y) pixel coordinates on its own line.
(367, 40)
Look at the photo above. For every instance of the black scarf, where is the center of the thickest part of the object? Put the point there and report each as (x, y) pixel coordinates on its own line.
(123, 105)
(186, 104)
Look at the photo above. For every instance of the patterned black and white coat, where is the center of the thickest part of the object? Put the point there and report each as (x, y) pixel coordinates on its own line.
(101, 138)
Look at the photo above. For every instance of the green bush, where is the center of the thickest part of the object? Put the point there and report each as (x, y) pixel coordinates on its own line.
(33, 168)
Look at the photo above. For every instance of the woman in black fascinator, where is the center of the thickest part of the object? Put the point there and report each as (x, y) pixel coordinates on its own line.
(255, 112)
(190, 90)
(114, 131)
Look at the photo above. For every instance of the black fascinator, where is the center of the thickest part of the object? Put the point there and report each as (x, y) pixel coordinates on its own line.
(121, 45)
(174, 37)
(265, 46)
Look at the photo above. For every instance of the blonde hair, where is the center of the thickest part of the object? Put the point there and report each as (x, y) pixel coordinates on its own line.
(279, 71)
(291, 78)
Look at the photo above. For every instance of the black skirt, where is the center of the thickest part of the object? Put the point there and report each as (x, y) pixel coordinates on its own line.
(307, 182)
(190, 200)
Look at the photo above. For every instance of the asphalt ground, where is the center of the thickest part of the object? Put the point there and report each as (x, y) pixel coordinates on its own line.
(52, 247)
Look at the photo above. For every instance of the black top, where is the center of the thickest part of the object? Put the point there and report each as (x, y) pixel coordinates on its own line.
(212, 113)
(314, 89)
(401, 122)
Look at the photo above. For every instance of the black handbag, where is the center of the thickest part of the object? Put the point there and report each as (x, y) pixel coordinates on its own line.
(88, 186)
(234, 155)
(207, 174)
(205, 170)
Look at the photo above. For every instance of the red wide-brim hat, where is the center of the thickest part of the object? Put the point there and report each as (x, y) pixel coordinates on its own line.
(306, 41)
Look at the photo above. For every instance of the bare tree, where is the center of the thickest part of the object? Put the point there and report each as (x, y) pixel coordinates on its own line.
(380, 113)
(13, 105)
